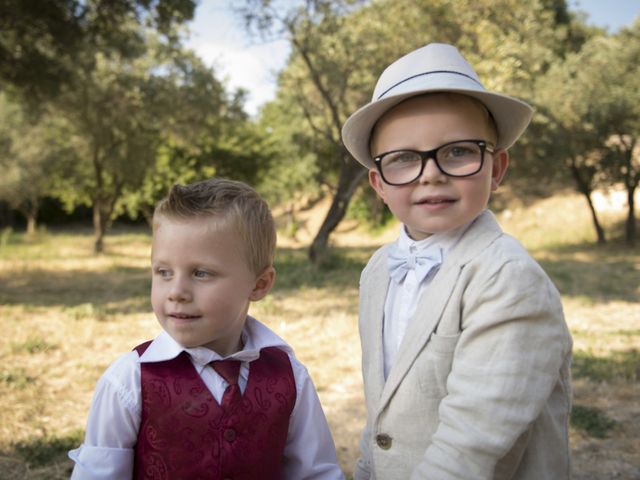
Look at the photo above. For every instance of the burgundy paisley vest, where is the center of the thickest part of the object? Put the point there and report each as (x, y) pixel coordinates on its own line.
(184, 433)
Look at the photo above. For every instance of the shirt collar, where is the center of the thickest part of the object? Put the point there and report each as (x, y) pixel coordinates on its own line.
(255, 337)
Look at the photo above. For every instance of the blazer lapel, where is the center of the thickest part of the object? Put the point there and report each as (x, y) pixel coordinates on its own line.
(480, 234)
(421, 326)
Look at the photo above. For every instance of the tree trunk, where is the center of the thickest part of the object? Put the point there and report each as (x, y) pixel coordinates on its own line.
(350, 175)
(32, 224)
(147, 213)
(630, 226)
(631, 179)
(584, 187)
(103, 207)
(292, 224)
(596, 223)
(99, 226)
(30, 210)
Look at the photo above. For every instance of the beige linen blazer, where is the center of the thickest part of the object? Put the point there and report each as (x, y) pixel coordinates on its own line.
(480, 388)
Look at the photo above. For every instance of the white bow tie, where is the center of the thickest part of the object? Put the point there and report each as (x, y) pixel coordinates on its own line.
(422, 262)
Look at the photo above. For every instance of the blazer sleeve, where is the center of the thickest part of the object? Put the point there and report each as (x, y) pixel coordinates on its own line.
(513, 343)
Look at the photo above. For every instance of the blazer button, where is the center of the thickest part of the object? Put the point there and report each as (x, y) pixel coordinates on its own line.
(384, 441)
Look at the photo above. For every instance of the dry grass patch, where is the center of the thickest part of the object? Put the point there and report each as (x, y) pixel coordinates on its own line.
(66, 314)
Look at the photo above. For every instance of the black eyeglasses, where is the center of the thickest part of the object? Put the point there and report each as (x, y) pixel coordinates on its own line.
(455, 159)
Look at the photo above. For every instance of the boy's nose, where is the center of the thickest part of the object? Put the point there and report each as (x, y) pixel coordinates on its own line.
(179, 291)
(431, 173)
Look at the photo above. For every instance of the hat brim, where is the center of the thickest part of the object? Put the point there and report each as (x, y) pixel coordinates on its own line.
(510, 114)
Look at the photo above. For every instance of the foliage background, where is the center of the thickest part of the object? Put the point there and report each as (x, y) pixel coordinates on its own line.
(123, 109)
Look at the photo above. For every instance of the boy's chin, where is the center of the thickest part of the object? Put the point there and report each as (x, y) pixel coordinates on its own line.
(417, 234)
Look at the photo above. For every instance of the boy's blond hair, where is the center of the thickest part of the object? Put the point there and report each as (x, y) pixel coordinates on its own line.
(233, 202)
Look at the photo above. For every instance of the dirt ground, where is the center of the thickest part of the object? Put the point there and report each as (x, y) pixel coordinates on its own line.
(618, 455)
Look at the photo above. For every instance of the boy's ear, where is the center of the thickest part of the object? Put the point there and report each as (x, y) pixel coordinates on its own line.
(499, 168)
(264, 282)
(375, 180)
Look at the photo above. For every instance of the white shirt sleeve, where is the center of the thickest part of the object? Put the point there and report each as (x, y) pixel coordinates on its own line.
(112, 426)
(309, 452)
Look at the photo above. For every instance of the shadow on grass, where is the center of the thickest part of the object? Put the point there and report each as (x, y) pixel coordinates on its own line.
(592, 421)
(595, 273)
(118, 290)
(45, 455)
(86, 230)
(126, 289)
(599, 273)
(40, 451)
(340, 270)
(618, 365)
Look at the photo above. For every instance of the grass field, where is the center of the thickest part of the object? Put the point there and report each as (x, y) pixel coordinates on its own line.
(65, 314)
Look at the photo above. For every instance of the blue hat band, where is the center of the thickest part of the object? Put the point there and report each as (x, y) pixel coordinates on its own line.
(408, 79)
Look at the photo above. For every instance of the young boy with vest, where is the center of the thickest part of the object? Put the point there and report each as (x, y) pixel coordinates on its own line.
(217, 394)
(466, 352)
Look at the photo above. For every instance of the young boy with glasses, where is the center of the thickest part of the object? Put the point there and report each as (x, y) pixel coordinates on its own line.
(466, 352)
(217, 394)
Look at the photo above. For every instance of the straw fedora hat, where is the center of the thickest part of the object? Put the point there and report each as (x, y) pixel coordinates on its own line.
(436, 67)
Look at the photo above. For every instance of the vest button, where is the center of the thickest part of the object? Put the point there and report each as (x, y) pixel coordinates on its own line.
(229, 434)
(384, 441)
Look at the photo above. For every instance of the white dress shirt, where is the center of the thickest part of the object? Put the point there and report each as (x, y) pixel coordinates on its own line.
(114, 418)
(402, 298)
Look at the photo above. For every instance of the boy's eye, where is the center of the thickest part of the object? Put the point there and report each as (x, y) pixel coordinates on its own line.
(460, 150)
(400, 158)
(201, 274)
(163, 272)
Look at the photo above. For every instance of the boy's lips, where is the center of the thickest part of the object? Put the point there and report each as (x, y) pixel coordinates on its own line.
(435, 200)
(182, 316)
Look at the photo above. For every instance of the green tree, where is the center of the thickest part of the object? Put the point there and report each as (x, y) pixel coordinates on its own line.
(292, 179)
(148, 122)
(316, 82)
(592, 103)
(112, 104)
(199, 134)
(207, 133)
(31, 169)
(41, 40)
(68, 52)
(623, 111)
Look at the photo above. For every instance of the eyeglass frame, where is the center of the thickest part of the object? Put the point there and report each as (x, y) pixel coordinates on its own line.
(432, 154)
